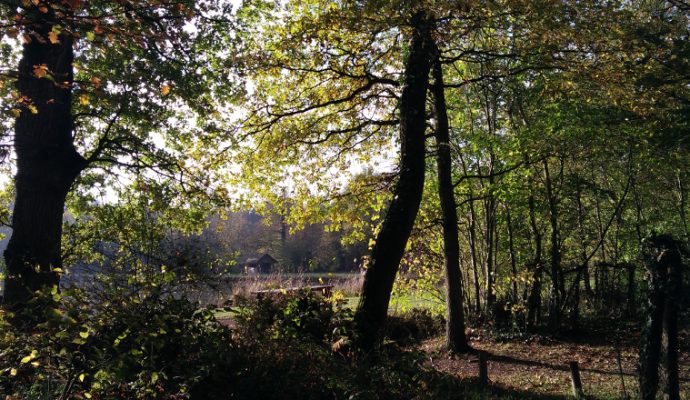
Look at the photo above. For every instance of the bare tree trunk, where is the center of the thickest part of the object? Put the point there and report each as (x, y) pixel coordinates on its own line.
(534, 300)
(455, 323)
(372, 310)
(473, 246)
(682, 200)
(490, 214)
(555, 300)
(47, 162)
(575, 315)
(511, 249)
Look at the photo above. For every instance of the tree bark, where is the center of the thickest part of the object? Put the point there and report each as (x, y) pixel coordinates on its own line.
(513, 256)
(456, 341)
(670, 337)
(390, 244)
(662, 260)
(472, 222)
(534, 300)
(490, 210)
(555, 300)
(47, 161)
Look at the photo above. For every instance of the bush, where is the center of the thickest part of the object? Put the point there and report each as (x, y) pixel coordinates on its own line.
(143, 346)
(414, 326)
(297, 346)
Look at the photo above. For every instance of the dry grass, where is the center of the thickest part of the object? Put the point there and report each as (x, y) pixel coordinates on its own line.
(225, 290)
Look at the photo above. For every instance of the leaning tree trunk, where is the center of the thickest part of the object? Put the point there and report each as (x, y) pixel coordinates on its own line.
(407, 196)
(47, 162)
(456, 341)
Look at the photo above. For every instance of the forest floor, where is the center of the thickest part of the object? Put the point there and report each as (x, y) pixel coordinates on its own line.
(537, 366)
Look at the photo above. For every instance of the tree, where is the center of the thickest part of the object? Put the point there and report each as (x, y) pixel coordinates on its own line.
(92, 92)
(391, 240)
(47, 161)
(455, 322)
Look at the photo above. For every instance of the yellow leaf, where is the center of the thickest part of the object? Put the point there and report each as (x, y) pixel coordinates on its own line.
(87, 395)
(81, 377)
(84, 100)
(165, 89)
(53, 37)
(84, 335)
(40, 71)
(16, 112)
(33, 109)
(13, 372)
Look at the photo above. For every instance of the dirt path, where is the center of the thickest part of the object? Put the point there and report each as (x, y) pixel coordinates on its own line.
(540, 365)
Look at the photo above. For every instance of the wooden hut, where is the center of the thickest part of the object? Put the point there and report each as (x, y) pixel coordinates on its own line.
(260, 265)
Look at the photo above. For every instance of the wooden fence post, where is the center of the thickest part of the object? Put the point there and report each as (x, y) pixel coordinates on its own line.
(483, 369)
(576, 381)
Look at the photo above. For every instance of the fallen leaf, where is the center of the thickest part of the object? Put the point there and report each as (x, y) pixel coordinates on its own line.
(53, 37)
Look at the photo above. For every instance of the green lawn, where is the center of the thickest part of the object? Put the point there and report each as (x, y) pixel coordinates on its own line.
(397, 304)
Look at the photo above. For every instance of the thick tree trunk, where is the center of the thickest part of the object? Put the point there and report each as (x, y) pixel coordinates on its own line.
(397, 225)
(47, 162)
(662, 260)
(670, 337)
(455, 323)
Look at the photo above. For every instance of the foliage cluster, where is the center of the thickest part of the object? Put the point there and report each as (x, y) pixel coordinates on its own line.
(146, 345)
(139, 345)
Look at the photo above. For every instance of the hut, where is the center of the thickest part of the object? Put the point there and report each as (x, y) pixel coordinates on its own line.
(260, 265)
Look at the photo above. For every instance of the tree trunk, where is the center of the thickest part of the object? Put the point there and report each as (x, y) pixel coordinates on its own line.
(47, 162)
(670, 324)
(662, 260)
(513, 257)
(575, 315)
(534, 300)
(455, 323)
(555, 300)
(397, 225)
(473, 245)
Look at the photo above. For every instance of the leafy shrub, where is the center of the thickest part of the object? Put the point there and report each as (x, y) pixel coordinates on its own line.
(142, 346)
(304, 315)
(146, 345)
(296, 346)
(414, 326)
